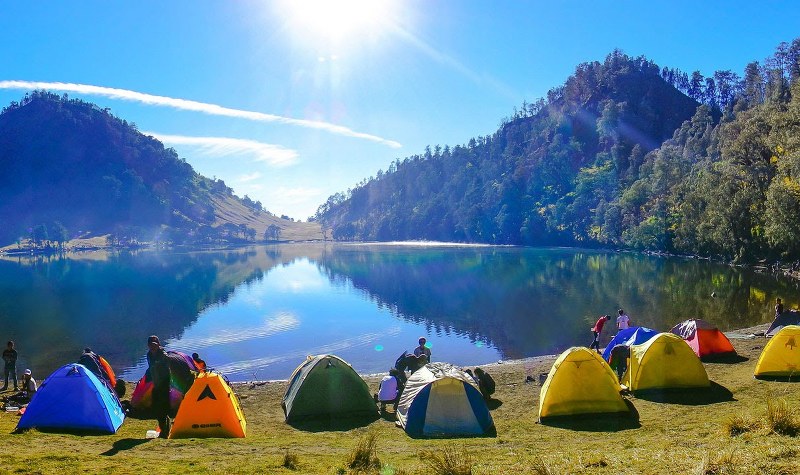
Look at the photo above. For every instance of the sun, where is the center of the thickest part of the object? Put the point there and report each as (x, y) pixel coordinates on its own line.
(337, 20)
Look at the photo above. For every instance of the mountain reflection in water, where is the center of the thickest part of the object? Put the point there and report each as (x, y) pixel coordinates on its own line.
(256, 312)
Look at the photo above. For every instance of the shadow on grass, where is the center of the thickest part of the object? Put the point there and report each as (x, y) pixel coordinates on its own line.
(725, 358)
(123, 444)
(46, 430)
(688, 397)
(795, 378)
(333, 424)
(493, 404)
(490, 433)
(614, 422)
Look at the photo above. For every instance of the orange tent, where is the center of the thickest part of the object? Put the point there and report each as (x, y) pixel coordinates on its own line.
(209, 409)
(704, 338)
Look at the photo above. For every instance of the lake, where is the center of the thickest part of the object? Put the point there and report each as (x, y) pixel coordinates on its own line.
(254, 313)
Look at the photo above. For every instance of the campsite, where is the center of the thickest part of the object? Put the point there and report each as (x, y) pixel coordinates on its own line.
(689, 435)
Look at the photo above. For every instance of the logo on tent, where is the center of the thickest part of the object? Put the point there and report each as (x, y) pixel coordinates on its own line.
(207, 393)
(791, 344)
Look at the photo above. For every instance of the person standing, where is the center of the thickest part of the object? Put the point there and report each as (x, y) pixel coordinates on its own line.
(10, 360)
(158, 365)
(778, 307)
(423, 350)
(619, 360)
(597, 329)
(623, 320)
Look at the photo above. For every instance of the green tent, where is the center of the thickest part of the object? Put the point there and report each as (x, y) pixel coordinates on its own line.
(327, 387)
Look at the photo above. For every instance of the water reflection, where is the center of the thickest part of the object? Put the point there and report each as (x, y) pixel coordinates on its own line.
(256, 312)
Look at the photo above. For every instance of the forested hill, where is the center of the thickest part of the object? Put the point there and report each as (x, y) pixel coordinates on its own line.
(623, 154)
(69, 169)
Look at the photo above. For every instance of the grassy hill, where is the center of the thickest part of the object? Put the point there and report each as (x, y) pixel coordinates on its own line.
(69, 169)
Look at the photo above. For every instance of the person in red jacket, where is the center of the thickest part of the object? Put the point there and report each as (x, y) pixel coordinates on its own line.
(597, 329)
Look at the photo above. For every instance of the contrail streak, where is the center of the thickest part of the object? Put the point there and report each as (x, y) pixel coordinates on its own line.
(195, 106)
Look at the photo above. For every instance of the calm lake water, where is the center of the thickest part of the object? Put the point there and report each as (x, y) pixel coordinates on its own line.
(255, 313)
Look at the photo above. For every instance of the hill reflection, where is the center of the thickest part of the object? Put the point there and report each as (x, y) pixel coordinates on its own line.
(528, 302)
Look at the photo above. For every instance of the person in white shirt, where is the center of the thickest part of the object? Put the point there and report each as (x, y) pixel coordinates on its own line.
(28, 389)
(390, 389)
(623, 321)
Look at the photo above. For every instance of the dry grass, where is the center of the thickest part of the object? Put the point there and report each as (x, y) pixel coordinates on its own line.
(364, 457)
(781, 419)
(540, 467)
(722, 464)
(448, 460)
(668, 438)
(739, 424)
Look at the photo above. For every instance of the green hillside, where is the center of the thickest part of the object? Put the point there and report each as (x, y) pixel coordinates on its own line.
(623, 154)
(69, 168)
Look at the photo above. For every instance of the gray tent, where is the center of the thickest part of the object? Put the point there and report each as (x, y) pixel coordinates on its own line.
(327, 387)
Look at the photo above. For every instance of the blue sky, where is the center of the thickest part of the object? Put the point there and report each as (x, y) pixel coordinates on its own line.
(291, 101)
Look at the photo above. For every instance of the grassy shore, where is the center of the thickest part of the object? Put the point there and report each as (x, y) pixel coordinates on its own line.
(685, 434)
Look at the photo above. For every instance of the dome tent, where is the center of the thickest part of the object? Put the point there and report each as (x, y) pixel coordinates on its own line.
(209, 409)
(629, 336)
(789, 317)
(703, 338)
(780, 357)
(181, 379)
(664, 362)
(325, 386)
(580, 382)
(73, 398)
(440, 400)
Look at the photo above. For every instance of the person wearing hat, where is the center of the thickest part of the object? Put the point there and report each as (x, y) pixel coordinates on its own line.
(28, 389)
(28, 383)
(158, 365)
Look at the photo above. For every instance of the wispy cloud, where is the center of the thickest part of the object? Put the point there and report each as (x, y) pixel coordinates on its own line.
(248, 177)
(298, 194)
(279, 323)
(184, 104)
(363, 340)
(221, 146)
(454, 64)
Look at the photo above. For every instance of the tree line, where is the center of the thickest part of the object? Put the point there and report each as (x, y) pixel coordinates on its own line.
(625, 153)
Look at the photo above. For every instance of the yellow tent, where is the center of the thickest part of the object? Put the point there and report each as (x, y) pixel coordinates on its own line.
(780, 357)
(665, 361)
(209, 409)
(580, 382)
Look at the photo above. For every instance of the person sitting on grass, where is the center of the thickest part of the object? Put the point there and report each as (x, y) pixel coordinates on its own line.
(29, 388)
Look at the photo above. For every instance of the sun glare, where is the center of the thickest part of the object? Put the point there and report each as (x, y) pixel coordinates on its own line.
(338, 20)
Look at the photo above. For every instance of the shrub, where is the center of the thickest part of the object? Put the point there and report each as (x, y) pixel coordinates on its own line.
(449, 460)
(739, 424)
(540, 467)
(721, 465)
(364, 457)
(291, 461)
(780, 418)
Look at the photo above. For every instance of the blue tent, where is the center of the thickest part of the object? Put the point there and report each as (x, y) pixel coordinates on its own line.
(789, 317)
(629, 336)
(73, 398)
